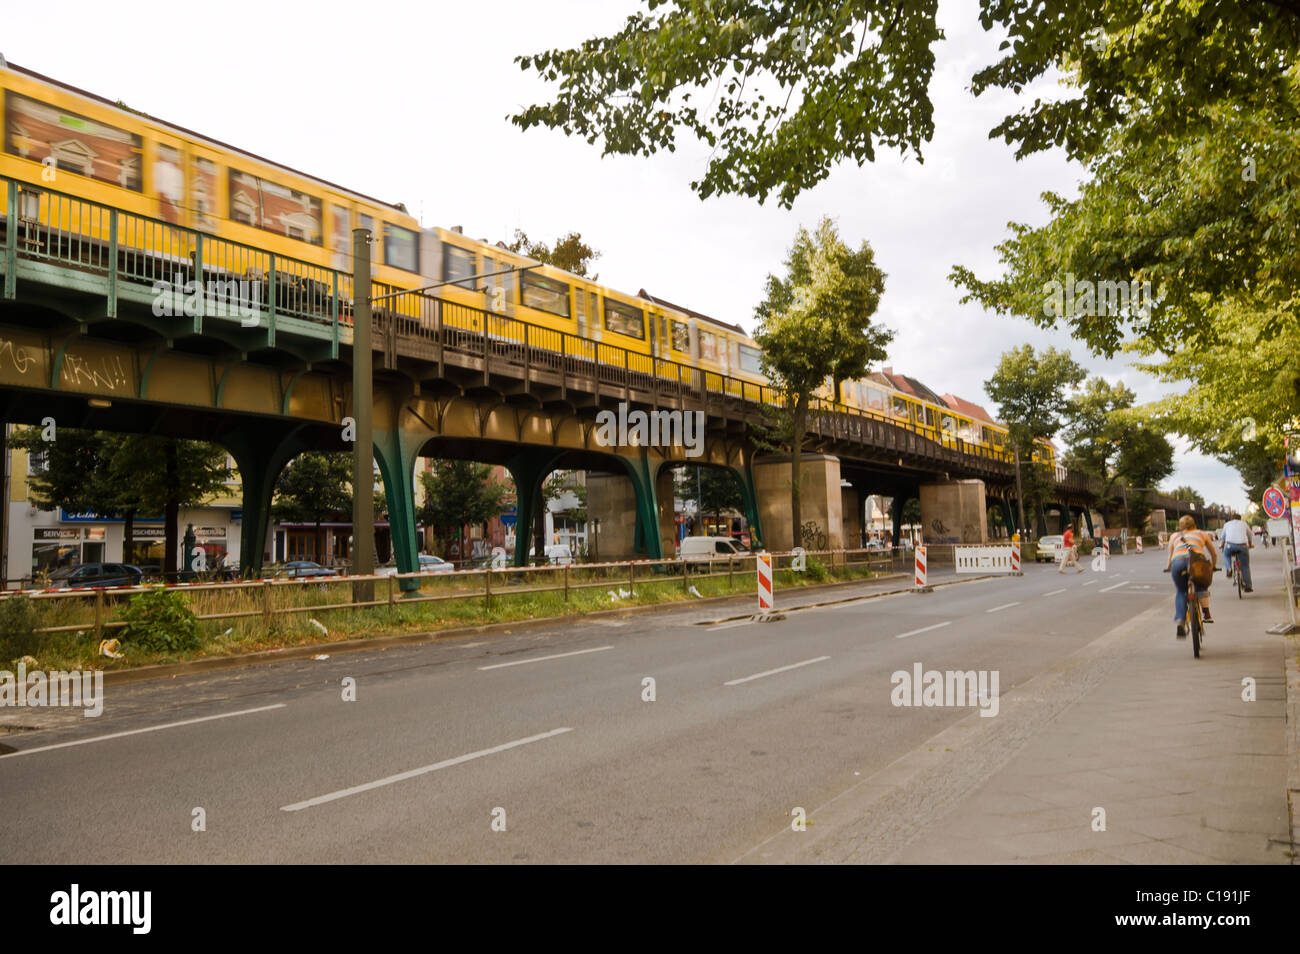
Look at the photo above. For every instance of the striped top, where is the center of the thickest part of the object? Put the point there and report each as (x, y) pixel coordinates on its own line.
(1191, 541)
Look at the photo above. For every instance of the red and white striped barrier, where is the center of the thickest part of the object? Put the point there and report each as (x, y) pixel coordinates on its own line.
(1139, 542)
(920, 566)
(1015, 558)
(763, 562)
(1105, 546)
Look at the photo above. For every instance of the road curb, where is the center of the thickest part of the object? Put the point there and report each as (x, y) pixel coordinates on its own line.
(1290, 650)
(307, 650)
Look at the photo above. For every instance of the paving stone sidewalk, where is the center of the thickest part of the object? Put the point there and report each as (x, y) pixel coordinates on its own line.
(1186, 770)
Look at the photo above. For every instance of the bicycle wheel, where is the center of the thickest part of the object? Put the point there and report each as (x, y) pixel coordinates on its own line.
(1195, 625)
(1236, 575)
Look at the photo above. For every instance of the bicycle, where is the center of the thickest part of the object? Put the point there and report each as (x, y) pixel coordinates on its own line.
(1236, 575)
(1195, 624)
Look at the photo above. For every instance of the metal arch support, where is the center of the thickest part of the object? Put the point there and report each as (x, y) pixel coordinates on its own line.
(221, 385)
(288, 390)
(396, 452)
(529, 468)
(147, 370)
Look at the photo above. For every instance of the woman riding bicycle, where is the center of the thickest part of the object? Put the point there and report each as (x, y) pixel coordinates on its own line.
(1186, 547)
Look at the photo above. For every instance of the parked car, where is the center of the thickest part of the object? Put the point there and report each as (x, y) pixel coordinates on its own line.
(428, 564)
(559, 554)
(1050, 549)
(96, 574)
(698, 549)
(303, 569)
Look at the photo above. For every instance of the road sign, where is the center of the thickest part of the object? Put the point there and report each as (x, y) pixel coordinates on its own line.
(1274, 502)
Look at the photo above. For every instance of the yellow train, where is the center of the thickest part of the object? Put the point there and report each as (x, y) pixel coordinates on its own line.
(75, 142)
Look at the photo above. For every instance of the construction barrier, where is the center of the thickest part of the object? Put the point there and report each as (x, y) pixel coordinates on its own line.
(920, 566)
(764, 564)
(1015, 558)
(997, 558)
(1105, 546)
(1139, 543)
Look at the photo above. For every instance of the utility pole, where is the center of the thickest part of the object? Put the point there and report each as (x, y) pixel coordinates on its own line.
(363, 450)
(1020, 494)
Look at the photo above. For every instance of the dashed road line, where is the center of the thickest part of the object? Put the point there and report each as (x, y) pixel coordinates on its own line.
(773, 672)
(1113, 586)
(926, 629)
(522, 662)
(1002, 607)
(152, 728)
(423, 770)
(1055, 592)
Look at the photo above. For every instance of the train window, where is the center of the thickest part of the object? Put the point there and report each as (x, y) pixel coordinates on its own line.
(708, 346)
(169, 183)
(401, 248)
(341, 237)
(39, 131)
(751, 360)
(681, 333)
(948, 423)
(505, 281)
(624, 319)
(929, 417)
(900, 407)
(458, 266)
(203, 192)
(546, 294)
(268, 205)
(875, 399)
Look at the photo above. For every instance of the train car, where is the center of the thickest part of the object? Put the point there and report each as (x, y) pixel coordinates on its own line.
(64, 140)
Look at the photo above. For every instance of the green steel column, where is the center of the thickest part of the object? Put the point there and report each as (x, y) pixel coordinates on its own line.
(363, 450)
(1008, 515)
(261, 452)
(529, 468)
(647, 539)
(896, 505)
(11, 237)
(396, 452)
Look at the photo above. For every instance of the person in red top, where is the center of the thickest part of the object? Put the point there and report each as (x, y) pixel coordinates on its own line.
(1071, 556)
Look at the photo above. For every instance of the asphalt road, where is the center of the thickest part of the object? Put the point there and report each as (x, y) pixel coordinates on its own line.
(750, 720)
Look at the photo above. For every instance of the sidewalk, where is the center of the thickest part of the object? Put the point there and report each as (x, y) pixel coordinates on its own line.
(1186, 771)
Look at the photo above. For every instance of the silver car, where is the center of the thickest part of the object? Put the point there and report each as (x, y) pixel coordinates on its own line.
(1050, 549)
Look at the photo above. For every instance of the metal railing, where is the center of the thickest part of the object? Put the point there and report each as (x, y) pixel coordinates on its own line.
(93, 611)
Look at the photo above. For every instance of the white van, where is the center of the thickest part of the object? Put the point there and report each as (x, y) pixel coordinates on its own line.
(696, 549)
(559, 554)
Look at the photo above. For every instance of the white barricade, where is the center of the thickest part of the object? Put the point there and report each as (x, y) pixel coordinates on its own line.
(995, 558)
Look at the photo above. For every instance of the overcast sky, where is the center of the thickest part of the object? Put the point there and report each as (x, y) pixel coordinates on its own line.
(407, 101)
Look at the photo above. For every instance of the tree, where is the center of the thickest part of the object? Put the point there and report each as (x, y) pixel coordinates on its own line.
(815, 324)
(569, 252)
(1031, 393)
(715, 490)
(1145, 458)
(120, 475)
(1095, 435)
(457, 493)
(1188, 495)
(782, 91)
(312, 488)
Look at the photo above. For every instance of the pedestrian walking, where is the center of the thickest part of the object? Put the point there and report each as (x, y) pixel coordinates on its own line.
(1071, 551)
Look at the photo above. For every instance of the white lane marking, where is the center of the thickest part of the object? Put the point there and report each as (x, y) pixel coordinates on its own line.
(926, 629)
(1054, 592)
(423, 770)
(1089, 582)
(1113, 586)
(1002, 607)
(773, 672)
(152, 728)
(521, 662)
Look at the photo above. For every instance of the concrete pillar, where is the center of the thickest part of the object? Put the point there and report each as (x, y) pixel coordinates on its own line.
(851, 517)
(664, 498)
(611, 499)
(819, 502)
(953, 512)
